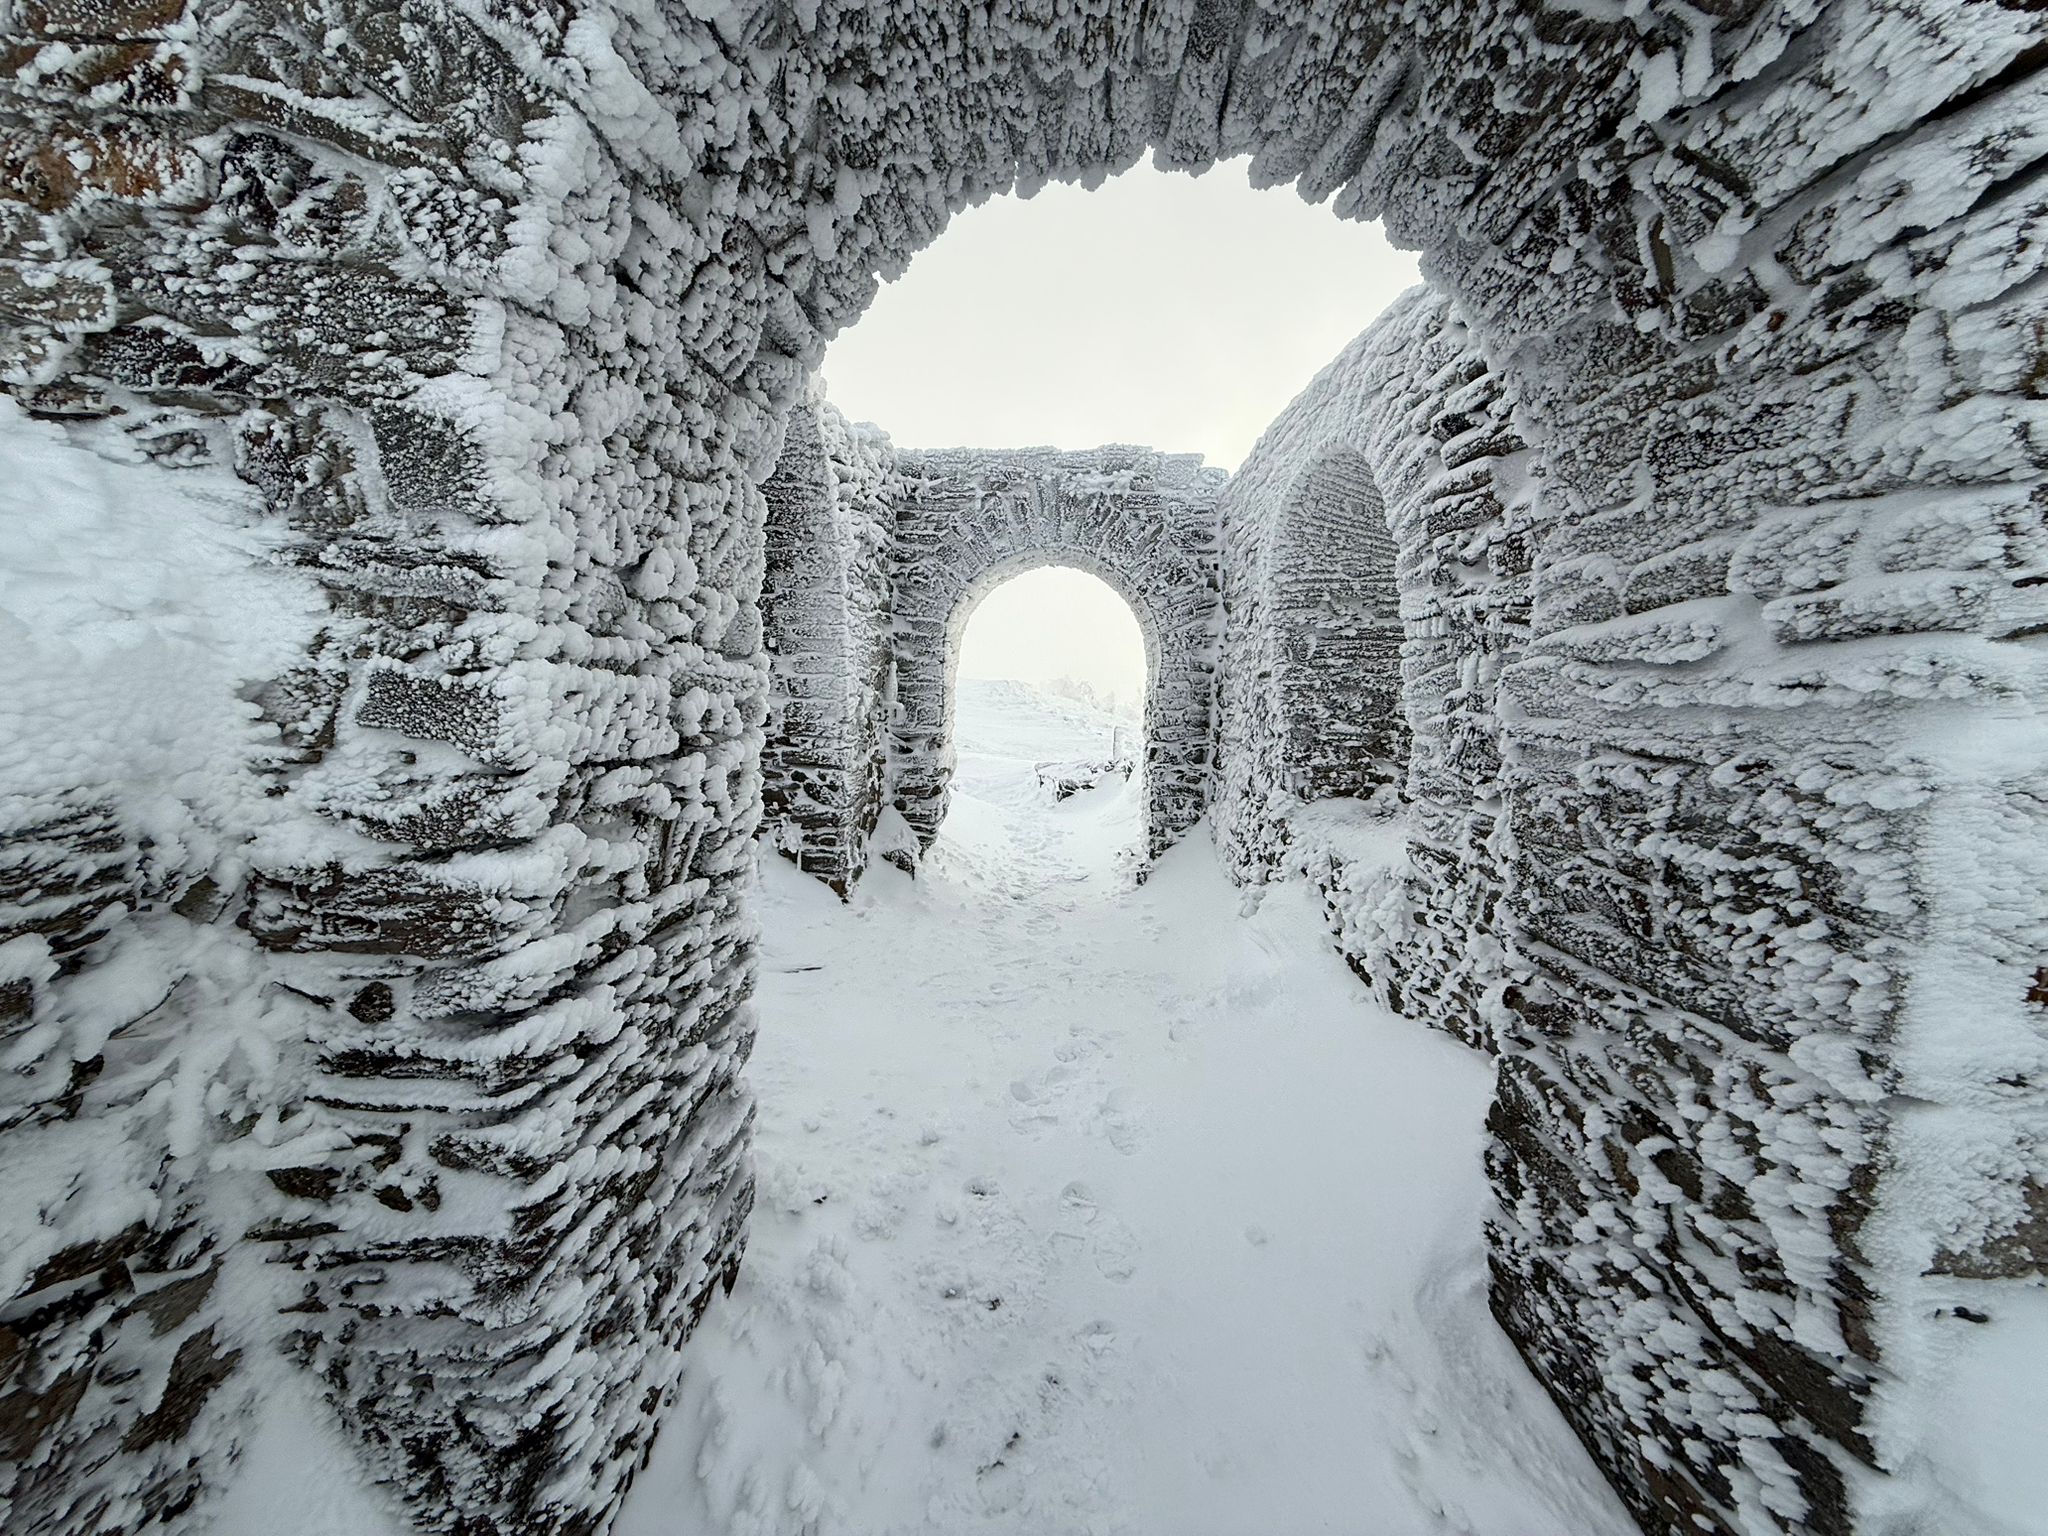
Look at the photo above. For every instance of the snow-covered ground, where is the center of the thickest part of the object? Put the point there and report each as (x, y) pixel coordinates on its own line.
(1095, 1207)
(998, 720)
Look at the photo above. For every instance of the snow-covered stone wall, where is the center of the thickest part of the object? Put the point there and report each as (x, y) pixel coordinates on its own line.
(420, 1005)
(1384, 491)
(1336, 599)
(826, 616)
(875, 562)
(1687, 861)
(1143, 521)
(416, 1060)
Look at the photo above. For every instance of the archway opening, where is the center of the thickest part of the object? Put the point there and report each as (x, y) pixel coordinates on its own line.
(1049, 675)
(1001, 1103)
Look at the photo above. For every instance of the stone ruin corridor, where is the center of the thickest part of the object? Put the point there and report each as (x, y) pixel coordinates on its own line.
(949, 529)
(431, 383)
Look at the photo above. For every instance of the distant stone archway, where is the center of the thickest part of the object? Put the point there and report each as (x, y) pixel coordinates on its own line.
(1336, 606)
(1143, 522)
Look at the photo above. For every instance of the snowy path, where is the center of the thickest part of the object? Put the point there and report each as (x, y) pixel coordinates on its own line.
(1087, 1208)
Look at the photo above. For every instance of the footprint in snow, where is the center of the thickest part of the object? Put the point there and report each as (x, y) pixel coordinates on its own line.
(1114, 1121)
(1098, 1337)
(1110, 1243)
(1027, 1115)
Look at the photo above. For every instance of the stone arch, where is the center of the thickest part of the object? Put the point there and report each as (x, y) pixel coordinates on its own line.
(1415, 406)
(1143, 522)
(496, 316)
(1337, 606)
(915, 678)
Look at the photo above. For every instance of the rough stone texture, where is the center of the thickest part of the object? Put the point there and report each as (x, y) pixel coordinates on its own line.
(825, 607)
(497, 310)
(1144, 522)
(1335, 599)
(1398, 459)
(1686, 842)
(381, 263)
(876, 560)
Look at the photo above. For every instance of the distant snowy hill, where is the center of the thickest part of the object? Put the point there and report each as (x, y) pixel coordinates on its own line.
(1006, 718)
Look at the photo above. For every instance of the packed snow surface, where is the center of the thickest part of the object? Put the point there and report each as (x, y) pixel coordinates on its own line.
(1091, 1206)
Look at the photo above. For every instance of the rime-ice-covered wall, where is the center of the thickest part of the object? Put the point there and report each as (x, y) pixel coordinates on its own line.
(876, 561)
(825, 612)
(1145, 522)
(1686, 887)
(475, 328)
(1401, 464)
(1337, 601)
(419, 1066)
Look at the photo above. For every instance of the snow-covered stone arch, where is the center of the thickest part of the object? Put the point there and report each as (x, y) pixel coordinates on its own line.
(490, 317)
(1143, 522)
(1429, 468)
(1337, 607)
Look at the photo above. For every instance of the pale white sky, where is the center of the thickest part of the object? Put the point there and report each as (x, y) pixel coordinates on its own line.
(1162, 309)
(1057, 622)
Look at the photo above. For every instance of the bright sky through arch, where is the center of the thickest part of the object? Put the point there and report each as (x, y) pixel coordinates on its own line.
(1175, 311)
(1056, 623)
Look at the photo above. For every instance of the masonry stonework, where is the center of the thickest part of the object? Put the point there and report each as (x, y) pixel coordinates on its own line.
(1712, 469)
(825, 610)
(1145, 522)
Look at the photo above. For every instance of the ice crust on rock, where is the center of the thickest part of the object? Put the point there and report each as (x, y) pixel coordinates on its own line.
(825, 611)
(1712, 477)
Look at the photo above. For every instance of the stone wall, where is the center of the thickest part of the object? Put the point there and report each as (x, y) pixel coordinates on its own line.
(876, 561)
(494, 313)
(825, 609)
(1145, 522)
(1682, 845)
(1421, 430)
(1336, 603)
(417, 1060)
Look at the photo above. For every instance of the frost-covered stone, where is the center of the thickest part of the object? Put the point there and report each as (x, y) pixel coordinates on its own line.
(877, 559)
(825, 606)
(1372, 522)
(494, 316)
(1143, 521)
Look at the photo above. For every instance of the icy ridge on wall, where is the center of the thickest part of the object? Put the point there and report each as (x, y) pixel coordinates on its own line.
(825, 611)
(496, 311)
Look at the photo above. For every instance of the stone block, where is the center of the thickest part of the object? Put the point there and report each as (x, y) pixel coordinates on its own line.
(98, 20)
